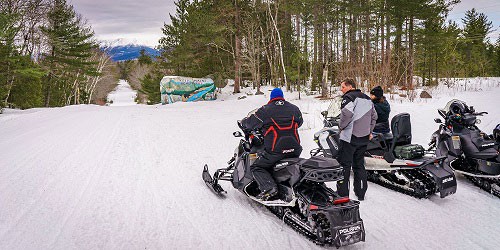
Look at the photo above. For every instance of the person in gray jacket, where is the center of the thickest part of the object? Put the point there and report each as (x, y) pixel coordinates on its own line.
(357, 120)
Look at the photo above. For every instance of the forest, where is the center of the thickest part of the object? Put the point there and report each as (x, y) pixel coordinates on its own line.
(50, 56)
(314, 44)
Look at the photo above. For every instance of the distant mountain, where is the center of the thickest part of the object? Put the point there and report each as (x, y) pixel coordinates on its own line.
(121, 50)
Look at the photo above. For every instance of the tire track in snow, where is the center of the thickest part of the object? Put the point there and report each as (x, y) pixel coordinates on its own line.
(96, 175)
(40, 191)
(59, 170)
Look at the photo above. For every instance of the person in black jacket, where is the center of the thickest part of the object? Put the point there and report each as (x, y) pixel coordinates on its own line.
(357, 120)
(279, 121)
(383, 109)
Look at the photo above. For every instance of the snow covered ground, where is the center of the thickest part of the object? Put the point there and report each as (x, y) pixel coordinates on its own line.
(129, 177)
(122, 95)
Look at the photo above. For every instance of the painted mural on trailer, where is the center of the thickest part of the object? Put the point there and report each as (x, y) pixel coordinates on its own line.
(186, 89)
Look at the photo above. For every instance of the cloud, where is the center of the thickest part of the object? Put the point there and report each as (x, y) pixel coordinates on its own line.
(112, 19)
(142, 20)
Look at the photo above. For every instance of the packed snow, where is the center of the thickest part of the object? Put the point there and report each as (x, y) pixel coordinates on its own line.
(129, 177)
(122, 95)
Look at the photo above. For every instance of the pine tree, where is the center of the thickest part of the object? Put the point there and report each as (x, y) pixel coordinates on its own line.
(476, 29)
(144, 58)
(150, 85)
(7, 50)
(17, 71)
(67, 61)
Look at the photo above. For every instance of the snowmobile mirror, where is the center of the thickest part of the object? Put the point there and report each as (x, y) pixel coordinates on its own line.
(437, 120)
(237, 134)
(324, 113)
(478, 121)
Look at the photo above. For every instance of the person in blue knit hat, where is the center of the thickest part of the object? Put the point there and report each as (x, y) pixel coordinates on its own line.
(279, 122)
(276, 93)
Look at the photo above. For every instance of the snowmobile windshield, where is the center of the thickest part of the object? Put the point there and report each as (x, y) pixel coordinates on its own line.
(334, 108)
(446, 108)
(252, 112)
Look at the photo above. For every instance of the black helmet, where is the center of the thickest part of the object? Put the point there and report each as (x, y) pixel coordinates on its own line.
(457, 108)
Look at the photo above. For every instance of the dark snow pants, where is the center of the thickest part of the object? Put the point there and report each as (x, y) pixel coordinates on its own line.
(263, 167)
(352, 154)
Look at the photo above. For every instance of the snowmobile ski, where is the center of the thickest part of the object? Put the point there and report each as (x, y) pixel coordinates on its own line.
(212, 183)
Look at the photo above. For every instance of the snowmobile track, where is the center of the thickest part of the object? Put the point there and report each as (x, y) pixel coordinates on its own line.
(295, 226)
(425, 182)
(484, 184)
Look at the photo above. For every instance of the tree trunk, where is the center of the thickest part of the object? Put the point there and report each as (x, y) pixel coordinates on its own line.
(399, 52)
(47, 94)
(76, 89)
(324, 84)
(387, 51)
(279, 43)
(306, 54)
(297, 27)
(410, 52)
(257, 66)
(353, 50)
(237, 50)
(315, 52)
(344, 44)
(382, 40)
(368, 62)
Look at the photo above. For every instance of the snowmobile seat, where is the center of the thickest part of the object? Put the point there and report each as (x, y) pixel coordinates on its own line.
(286, 162)
(401, 132)
(287, 170)
(401, 129)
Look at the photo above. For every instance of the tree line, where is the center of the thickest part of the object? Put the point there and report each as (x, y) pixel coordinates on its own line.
(311, 44)
(49, 56)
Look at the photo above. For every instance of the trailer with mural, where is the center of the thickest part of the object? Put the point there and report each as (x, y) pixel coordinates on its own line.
(186, 89)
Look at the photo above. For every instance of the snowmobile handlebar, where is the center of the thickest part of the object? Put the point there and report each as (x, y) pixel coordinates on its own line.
(480, 113)
(249, 132)
(331, 121)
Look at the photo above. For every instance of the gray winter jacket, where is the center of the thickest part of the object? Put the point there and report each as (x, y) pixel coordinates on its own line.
(358, 116)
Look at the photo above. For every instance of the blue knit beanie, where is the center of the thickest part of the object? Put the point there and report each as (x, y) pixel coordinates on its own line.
(277, 92)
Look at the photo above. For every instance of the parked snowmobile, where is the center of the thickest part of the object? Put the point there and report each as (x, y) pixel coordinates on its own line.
(467, 149)
(304, 201)
(391, 160)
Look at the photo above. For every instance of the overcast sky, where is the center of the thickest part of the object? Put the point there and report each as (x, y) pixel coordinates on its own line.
(141, 20)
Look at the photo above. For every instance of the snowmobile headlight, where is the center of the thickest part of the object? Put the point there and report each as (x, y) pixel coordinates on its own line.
(478, 121)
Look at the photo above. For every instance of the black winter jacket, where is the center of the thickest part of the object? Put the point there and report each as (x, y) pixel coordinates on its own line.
(383, 109)
(357, 117)
(279, 121)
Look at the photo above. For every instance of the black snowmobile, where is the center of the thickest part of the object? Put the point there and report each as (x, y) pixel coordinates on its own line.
(304, 201)
(467, 149)
(391, 160)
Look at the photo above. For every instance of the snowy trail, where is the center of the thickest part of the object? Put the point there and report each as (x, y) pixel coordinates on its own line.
(91, 177)
(122, 95)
